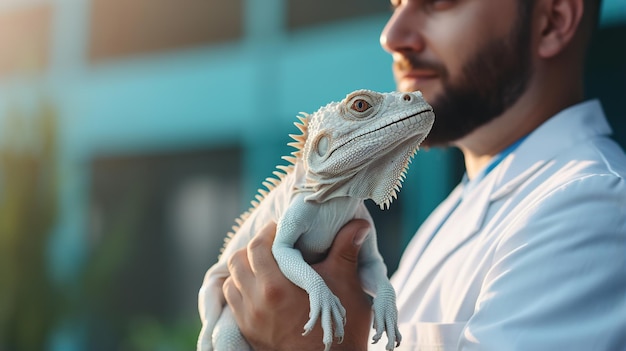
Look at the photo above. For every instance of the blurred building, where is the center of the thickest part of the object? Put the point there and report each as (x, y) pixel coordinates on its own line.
(166, 116)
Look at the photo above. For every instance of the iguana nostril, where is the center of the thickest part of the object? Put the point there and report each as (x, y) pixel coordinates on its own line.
(407, 97)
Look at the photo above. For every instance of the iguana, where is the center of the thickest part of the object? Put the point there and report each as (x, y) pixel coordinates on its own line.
(355, 149)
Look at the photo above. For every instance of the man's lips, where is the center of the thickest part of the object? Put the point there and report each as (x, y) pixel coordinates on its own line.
(415, 68)
(415, 80)
(424, 81)
(416, 74)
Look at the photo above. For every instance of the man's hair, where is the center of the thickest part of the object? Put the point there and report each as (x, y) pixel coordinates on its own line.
(595, 9)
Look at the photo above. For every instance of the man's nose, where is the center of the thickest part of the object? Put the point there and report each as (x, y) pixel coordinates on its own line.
(403, 31)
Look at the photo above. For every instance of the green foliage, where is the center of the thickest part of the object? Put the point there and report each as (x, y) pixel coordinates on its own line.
(28, 208)
(89, 307)
(147, 334)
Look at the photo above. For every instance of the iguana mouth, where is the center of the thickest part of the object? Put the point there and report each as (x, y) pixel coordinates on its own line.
(379, 129)
(392, 123)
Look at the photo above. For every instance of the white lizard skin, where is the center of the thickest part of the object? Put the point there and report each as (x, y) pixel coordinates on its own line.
(349, 151)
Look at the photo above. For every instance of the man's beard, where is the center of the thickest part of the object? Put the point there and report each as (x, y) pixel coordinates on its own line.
(491, 81)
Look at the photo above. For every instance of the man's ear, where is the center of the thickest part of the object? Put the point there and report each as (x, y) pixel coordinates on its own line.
(559, 21)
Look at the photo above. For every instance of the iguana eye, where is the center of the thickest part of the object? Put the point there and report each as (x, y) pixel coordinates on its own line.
(360, 105)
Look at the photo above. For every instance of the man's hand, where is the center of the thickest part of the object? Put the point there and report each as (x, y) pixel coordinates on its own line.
(271, 311)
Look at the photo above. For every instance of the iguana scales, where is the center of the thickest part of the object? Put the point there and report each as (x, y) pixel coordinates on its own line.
(351, 150)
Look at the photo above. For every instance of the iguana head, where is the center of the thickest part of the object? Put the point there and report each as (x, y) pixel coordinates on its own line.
(361, 146)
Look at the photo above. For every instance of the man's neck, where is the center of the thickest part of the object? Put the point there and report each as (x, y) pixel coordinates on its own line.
(530, 111)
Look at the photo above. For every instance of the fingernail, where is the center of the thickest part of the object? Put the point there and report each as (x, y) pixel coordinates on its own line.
(360, 236)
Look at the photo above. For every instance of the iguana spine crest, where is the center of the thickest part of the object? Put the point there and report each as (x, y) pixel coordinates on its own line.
(271, 183)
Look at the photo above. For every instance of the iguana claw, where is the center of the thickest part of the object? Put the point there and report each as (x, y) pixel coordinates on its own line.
(386, 318)
(325, 304)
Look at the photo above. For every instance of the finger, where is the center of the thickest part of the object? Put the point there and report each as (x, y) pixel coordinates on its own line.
(233, 295)
(347, 243)
(240, 282)
(236, 302)
(271, 284)
(241, 274)
(260, 250)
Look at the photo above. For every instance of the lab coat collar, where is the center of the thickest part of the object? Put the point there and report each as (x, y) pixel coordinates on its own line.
(567, 128)
(465, 220)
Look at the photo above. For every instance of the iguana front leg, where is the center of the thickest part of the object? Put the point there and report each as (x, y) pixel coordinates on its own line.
(323, 303)
(373, 273)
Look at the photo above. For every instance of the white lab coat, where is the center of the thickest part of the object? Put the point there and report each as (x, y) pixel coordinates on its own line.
(533, 258)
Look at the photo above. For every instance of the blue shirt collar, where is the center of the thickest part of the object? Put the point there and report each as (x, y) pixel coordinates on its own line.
(469, 184)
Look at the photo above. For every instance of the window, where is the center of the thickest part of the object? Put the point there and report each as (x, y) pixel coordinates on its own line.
(25, 39)
(121, 28)
(305, 13)
(157, 223)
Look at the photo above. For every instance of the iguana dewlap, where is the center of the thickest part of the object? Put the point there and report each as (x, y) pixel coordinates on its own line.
(351, 150)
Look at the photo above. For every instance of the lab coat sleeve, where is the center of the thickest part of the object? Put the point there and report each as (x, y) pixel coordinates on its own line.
(558, 277)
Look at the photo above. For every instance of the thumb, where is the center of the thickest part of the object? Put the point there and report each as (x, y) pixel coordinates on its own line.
(347, 243)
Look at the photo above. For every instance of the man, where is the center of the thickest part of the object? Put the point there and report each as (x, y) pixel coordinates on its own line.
(529, 251)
